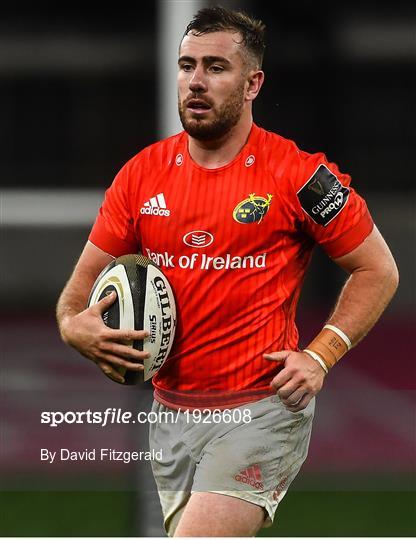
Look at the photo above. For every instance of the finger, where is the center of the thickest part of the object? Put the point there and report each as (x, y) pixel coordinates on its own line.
(110, 372)
(123, 335)
(279, 356)
(294, 398)
(282, 378)
(287, 389)
(105, 302)
(121, 363)
(125, 352)
(303, 403)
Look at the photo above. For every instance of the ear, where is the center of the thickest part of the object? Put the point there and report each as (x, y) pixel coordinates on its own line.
(254, 83)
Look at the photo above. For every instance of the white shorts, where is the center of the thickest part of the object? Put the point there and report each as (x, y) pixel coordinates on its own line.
(252, 452)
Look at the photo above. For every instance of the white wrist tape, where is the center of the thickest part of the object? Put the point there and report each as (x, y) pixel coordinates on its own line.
(316, 357)
(341, 334)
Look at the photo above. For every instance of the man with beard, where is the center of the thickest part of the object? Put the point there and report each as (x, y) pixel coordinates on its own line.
(231, 213)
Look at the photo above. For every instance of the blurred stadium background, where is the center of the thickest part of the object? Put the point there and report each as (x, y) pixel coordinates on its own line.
(82, 90)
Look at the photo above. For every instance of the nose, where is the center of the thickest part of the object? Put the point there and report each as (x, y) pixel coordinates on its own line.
(197, 81)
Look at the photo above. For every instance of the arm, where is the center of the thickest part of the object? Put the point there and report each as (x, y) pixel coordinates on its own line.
(367, 292)
(84, 329)
(373, 281)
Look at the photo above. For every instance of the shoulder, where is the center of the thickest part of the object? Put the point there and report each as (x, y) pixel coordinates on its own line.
(283, 152)
(149, 162)
(291, 165)
(158, 154)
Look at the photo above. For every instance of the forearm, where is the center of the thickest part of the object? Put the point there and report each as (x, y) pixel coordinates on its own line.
(364, 297)
(367, 292)
(74, 297)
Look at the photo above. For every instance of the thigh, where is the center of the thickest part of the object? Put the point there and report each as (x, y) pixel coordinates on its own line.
(213, 514)
(174, 469)
(257, 461)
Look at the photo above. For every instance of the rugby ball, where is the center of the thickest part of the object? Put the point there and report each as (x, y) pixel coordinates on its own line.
(144, 301)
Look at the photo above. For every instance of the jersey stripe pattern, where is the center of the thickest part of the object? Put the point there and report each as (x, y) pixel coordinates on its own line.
(235, 243)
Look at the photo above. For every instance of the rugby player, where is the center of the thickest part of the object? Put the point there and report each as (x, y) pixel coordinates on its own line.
(231, 213)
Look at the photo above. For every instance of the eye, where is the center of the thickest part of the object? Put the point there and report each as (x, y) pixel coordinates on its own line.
(185, 67)
(216, 69)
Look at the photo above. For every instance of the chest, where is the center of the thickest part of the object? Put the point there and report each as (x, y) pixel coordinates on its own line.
(230, 211)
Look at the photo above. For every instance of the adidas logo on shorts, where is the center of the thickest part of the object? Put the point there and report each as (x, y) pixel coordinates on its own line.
(251, 476)
(281, 487)
(156, 206)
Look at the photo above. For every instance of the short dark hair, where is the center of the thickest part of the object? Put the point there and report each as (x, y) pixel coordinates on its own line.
(219, 19)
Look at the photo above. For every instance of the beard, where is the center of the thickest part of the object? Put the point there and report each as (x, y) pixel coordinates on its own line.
(226, 117)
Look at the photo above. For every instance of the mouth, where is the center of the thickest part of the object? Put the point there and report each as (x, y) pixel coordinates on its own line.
(198, 106)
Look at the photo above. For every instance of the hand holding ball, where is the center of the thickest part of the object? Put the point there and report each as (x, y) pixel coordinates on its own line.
(144, 301)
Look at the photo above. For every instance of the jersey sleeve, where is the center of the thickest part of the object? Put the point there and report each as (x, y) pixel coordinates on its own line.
(329, 209)
(113, 230)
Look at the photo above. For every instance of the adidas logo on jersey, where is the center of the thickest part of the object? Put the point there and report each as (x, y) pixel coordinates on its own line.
(251, 476)
(156, 206)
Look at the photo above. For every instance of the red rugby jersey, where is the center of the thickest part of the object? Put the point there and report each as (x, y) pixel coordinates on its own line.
(234, 243)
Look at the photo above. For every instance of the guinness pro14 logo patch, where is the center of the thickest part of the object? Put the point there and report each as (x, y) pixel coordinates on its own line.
(323, 196)
(253, 209)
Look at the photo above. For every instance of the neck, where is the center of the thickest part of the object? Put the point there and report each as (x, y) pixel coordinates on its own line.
(220, 152)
